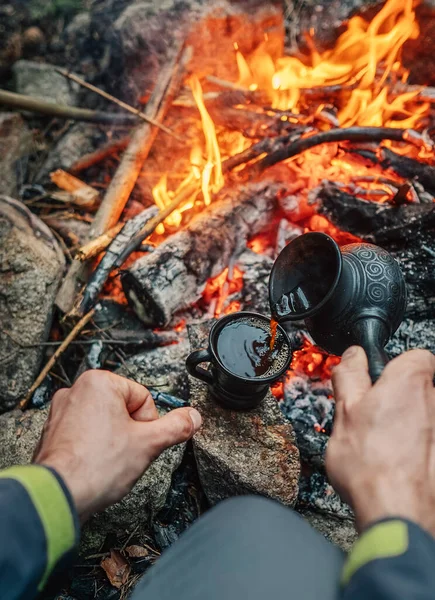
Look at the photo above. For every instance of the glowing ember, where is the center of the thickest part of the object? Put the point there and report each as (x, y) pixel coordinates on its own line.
(313, 361)
(220, 288)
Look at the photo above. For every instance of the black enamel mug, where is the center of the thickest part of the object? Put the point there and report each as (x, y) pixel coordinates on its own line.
(241, 364)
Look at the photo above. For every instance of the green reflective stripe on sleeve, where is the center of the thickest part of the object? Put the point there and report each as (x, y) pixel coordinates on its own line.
(384, 540)
(52, 507)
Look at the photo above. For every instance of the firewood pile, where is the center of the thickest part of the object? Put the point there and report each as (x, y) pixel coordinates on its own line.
(154, 181)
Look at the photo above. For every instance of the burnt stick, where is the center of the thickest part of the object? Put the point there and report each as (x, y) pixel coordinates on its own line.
(94, 158)
(113, 258)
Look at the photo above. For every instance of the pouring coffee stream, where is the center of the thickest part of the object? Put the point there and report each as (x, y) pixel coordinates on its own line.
(352, 295)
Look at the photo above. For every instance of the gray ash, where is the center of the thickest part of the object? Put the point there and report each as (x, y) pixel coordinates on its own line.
(310, 408)
(316, 493)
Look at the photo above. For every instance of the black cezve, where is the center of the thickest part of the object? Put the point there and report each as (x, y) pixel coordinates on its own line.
(352, 295)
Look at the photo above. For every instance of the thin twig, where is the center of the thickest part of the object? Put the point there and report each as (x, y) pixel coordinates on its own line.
(93, 158)
(124, 105)
(52, 361)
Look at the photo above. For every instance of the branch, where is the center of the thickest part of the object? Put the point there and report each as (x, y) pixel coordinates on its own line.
(351, 134)
(52, 361)
(36, 105)
(124, 105)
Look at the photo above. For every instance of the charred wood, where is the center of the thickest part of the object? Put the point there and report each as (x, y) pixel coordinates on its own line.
(378, 223)
(175, 274)
(113, 258)
(407, 231)
(402, 165)
(350, 134)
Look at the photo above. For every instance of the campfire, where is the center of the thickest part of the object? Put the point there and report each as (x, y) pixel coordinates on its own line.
(230, 160)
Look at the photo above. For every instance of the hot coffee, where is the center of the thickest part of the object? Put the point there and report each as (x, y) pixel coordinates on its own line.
(242, 360)
(246, 348)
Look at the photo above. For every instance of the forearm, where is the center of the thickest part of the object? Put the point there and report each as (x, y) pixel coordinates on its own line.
(39, 529)
(392, 559)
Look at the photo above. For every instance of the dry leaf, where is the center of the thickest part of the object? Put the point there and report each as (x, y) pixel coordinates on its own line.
(116, 568)
(136, 551)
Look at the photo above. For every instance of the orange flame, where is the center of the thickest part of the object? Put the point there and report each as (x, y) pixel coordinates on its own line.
(353, 61)
(208, 172)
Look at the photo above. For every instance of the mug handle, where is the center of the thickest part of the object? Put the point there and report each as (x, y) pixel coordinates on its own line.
(193, 368)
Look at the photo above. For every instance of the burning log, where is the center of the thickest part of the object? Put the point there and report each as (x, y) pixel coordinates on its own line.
(175, 275)
(378, 223)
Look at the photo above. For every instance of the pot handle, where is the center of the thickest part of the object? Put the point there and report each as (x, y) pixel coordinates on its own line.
(193, 368)
(372, 335)
(378, 359)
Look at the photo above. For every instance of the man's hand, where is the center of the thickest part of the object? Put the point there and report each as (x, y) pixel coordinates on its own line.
(103, 433)
(381, 455)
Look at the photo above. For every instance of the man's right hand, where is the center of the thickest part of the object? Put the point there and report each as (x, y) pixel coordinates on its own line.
(103, 433)
(381, 455)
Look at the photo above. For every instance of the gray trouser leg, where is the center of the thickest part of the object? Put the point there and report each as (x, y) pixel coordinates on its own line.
(246, 548)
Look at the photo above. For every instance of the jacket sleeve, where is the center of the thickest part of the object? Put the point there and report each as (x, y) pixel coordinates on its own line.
(39, 529)
(393, 559)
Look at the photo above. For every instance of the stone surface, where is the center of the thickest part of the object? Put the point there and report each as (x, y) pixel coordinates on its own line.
(31, 266)
(162, 368)
(15, 142)
(243, 452)
(43, 81)
(138, 43)
(19, 435)
(81, 139)
(340, 532)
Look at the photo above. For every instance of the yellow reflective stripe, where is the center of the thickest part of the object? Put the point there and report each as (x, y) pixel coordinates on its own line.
(53, 510)
(384, 540)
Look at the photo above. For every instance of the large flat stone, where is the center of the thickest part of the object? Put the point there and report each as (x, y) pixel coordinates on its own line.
(240, 453)
(31, 267)
(43, 81)
(15, 142)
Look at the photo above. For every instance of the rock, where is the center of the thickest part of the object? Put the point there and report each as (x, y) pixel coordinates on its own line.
(31, 267)
(19, 435)
(15, 142)
(243, 452)
(162, 368)
(81, 139)
(136, 510)
(340, 532)
(43, 81)
(139, 44)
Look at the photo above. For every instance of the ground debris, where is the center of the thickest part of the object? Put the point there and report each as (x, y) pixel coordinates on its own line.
(116, 568)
